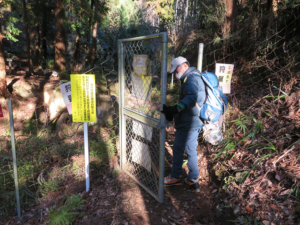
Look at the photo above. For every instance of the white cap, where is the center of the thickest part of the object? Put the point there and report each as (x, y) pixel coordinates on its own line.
(176, 62)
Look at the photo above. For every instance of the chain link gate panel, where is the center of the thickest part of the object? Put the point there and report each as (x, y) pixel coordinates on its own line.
(142, 94)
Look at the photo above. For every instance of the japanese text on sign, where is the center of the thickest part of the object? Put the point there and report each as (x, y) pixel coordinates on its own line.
(224, 74)
(83, 97)
(66, 93)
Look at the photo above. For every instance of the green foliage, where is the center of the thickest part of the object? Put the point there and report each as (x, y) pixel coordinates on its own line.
(295, 190)
(64, 75)
(241, 122)
(227, 145)
(121, 15)
(165, 10)
(65, 214)
(102, 150)
(30, 128)
(248, 171)
(228, 181)
(48, 63)
(246, 221)
(11, 19)
(50, 185)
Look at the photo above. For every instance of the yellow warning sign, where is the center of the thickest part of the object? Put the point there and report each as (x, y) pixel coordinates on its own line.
(83, 97)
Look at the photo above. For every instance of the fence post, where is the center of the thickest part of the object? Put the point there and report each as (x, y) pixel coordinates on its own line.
(86, 157)
(13, 145)
(122, 121)
(200, 57)
(162, 117)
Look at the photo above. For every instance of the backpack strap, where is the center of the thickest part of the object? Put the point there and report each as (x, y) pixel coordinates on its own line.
(204, 85)
(189, 75)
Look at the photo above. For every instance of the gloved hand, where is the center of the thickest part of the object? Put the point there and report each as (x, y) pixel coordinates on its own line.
(169, 111)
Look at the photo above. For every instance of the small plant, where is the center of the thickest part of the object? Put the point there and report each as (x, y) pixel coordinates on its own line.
(48, 64)
(246, 221)
(29, 127)
(295, 190)
(102, 149)
(66, 214)
(7, 132)
(248, 171)
(228, 181)
(52, 184)
(227, 145)
(241, 122)
(257, 127)
(64, 75)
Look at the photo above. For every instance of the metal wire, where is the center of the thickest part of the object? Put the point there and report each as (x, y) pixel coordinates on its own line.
(139, 94)
(257, 58)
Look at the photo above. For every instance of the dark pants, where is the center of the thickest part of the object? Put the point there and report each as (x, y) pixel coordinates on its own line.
(185, 140)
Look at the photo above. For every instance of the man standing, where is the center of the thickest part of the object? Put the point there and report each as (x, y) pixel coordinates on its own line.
(187, 122)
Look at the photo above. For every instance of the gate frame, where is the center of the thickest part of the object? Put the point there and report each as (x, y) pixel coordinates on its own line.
(160, 124)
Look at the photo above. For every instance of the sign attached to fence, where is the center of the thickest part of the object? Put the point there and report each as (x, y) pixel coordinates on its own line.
(1, 113)
(65, 89)
(83, 97)
(224, 74)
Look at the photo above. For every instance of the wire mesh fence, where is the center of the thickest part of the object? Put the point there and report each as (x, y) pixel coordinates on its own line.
(143, 92)
(258, 54)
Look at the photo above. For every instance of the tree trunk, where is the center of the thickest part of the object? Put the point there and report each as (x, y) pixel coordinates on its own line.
(88, 36)
(44, 33)
(2, 66)
(186, 11)
(60, 37)
(27, 38)
(77, 51)
(94, 44)
(272, 9)
(176, 17)
(230, 15)
(38, 43)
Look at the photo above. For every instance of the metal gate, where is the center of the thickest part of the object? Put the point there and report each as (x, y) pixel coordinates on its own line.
(142, 126)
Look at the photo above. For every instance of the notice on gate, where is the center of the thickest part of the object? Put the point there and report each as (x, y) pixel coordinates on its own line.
(1, 113)
(224, 74)
(65, 89)
(83, 97)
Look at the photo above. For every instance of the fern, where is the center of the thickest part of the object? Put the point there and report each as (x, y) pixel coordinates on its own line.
(241, 123)
(64, 214)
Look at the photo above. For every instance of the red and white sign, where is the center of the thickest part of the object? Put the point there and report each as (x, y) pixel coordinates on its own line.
(1, 113)
(66, 93)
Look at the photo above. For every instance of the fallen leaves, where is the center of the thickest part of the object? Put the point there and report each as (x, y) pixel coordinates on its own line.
(249, 209)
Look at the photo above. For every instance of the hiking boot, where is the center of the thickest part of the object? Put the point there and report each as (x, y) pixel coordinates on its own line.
(170, 181)
(193, 183)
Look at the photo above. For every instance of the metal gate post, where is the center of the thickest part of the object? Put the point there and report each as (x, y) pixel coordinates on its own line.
(122, 122)
(163, 118)
(13, 146)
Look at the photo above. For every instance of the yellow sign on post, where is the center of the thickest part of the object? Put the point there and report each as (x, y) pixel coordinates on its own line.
(83, 97)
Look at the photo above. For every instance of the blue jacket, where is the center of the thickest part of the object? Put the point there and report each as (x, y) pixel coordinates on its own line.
(192, 90)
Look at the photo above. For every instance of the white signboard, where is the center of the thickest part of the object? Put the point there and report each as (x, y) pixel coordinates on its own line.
(66, 93)
(224, 74)
(140, 154)
(142, 130)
